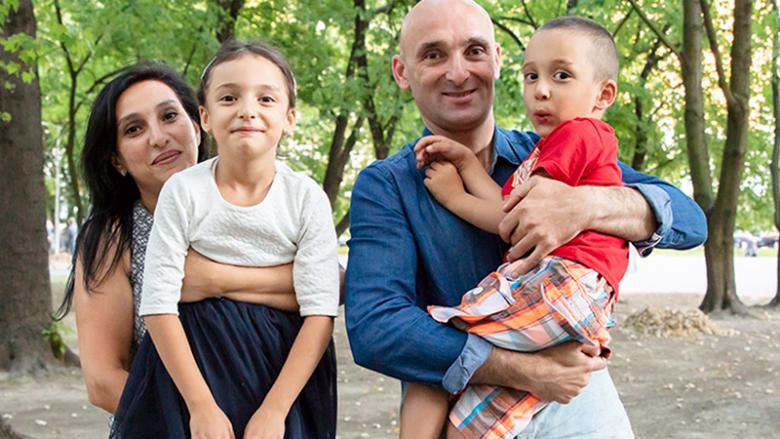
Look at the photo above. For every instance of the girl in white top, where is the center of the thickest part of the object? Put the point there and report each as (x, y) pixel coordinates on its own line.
(243, 208)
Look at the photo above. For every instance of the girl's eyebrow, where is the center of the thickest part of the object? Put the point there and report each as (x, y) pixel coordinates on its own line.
(235, 85)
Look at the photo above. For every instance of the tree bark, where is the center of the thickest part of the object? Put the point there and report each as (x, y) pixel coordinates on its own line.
(25, 291)
(719, 249)
(775, 165)
(640, 148)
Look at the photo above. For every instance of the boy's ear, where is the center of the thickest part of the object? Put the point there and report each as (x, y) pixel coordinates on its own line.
(607, 95)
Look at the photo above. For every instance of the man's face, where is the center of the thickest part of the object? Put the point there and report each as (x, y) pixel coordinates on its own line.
(449, 60)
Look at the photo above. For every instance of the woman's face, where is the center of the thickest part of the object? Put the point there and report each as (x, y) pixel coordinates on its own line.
(155, 136)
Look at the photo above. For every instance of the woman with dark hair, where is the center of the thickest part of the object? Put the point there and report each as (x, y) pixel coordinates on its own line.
(144, 127)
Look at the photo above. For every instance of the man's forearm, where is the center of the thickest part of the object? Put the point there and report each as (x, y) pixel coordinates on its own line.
(618, 211)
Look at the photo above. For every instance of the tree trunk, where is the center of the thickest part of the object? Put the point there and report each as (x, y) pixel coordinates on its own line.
(640, 148)
(25, 292)
(228, 14)
(719, 249)
(775, 165)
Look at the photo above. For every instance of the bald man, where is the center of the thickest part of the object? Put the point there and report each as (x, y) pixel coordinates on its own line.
(407, 251)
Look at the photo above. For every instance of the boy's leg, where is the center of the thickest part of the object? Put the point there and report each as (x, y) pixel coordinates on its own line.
(424, 412)
(597, 413)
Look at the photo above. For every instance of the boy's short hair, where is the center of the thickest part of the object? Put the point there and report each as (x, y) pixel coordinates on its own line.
(605, 58)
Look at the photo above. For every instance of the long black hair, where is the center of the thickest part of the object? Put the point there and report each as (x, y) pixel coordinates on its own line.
(113, 195)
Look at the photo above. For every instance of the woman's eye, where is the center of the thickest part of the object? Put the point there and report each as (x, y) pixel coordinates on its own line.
(132, 130)
(170, 115)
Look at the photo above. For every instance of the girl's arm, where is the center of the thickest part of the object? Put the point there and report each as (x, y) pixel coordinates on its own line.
(304, 356)
(104, 322)
(206, 418)
(270, 286)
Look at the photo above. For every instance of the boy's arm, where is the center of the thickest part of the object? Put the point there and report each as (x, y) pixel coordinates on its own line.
(445, 184)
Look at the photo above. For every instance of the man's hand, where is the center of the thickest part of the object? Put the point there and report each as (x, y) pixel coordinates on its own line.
(558, 373)
(443, 181)
(439, 148)
(543, 214)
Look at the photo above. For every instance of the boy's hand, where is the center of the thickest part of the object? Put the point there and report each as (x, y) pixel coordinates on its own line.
(443, 181)
(266, 423)
(209, 422)
(439, 148)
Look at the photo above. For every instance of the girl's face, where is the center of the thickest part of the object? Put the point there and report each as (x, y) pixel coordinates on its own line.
(155, 136)
(247, 108)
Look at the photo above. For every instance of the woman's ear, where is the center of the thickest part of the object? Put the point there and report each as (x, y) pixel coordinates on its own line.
(118, 165)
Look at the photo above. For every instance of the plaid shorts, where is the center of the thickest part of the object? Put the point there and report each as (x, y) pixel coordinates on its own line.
(558, 301)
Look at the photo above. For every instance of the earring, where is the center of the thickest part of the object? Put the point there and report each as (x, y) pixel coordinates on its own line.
(123, 172)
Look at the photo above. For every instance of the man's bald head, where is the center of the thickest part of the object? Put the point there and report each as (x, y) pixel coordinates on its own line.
(423, 15)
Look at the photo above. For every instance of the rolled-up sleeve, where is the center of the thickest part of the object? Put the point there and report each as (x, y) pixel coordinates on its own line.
(681, 222)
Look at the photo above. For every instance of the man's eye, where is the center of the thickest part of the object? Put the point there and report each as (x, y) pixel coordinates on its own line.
(477, 51)
(432, 56)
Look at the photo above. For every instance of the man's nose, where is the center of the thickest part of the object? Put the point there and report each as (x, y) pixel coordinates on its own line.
(458, 71)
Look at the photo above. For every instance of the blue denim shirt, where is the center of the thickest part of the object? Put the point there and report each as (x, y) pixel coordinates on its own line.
(407, 251)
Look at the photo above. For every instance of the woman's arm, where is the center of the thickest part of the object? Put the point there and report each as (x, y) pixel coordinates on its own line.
(104, 322)
(304, 356)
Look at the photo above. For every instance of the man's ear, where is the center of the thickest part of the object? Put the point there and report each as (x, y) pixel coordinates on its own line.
(399, 73)
(497, 58)
(607, 95)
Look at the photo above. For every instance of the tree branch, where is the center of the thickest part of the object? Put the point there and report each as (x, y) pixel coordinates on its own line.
(622, 22)
(652, 27)
(530, 17)
(712, 37)
(509, 32)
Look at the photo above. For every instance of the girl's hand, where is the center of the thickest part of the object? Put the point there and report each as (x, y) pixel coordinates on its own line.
(210, 422)
(266, 423)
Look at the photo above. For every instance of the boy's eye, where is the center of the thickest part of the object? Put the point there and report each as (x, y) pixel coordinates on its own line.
(530, 76)
(561, 75)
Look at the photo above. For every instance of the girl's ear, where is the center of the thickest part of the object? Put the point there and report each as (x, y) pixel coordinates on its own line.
(607, 95)
(204, 118)
(291, 116)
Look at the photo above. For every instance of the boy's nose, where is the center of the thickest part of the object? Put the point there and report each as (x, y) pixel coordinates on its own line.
(541, 91)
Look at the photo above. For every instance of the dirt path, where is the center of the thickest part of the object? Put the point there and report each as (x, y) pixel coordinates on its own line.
(724, 386)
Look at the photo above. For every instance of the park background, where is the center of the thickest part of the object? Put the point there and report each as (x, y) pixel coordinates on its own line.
(698, 106)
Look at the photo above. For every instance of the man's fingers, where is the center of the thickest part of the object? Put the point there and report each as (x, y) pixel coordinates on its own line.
(591, 350)
(517, 194)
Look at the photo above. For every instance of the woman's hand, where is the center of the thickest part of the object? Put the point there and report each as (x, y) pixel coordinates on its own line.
(209, 422)
(266, 423)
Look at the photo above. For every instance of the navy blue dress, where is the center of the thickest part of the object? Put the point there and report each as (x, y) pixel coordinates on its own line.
(240, 349)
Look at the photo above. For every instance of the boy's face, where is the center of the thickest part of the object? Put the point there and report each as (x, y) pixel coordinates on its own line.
(560, 81)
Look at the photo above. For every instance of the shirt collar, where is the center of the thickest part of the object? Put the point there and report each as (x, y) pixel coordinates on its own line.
(501, 148)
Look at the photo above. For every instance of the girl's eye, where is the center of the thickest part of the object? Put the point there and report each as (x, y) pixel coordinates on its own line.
(561, 75)
(267, 99)
(227, 98)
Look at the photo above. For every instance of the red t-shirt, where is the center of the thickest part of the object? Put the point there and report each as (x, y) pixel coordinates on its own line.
(581, 152)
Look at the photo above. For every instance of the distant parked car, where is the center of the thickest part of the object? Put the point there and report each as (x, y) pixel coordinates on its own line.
(768, 240)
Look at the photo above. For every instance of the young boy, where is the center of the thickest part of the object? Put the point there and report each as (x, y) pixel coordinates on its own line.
(570, 74)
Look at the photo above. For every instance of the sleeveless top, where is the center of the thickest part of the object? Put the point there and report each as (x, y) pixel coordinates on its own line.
(142, 226)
